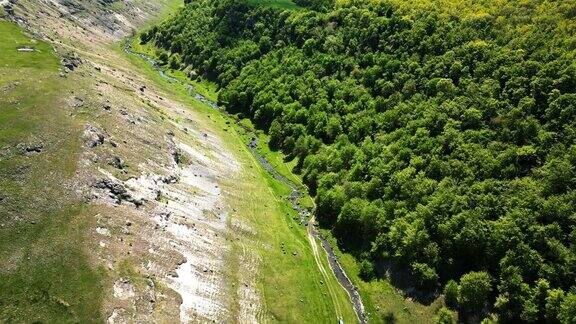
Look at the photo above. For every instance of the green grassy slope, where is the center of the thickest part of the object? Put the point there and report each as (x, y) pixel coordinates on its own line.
(293, 288)
(44, 274)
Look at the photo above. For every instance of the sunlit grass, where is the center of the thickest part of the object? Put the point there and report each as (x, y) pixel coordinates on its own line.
(45, 275)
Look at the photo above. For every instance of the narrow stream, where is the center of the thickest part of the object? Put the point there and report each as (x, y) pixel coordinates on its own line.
(296, 193)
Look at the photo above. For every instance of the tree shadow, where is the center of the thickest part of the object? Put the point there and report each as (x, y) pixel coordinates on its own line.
(401, 278)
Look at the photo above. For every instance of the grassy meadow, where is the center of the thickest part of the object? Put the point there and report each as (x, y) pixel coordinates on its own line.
(44, 275)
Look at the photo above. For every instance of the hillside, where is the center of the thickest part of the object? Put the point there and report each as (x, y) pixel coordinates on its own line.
(437, 137)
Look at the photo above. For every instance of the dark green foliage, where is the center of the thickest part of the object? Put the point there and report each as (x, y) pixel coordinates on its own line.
(439, 143)
(451, 294)
(366, 270)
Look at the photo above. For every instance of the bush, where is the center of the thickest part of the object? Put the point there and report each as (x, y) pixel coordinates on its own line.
(567, 313)
(425, 276)
(451, 294)
(445, 316)
(475, 289)
(366, 270)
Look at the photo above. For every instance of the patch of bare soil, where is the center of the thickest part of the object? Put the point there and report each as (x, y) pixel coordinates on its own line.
(148, 173)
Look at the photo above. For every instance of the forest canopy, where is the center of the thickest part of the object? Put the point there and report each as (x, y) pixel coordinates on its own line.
(437, 136)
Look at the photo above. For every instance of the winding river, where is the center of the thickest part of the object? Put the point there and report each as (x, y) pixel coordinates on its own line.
(296, 193)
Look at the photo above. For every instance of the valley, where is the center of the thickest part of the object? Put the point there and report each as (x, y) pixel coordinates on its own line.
(292, 161)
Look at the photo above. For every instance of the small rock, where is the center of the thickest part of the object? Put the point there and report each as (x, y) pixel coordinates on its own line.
(117, 162)
(71, 61)
(76, 102)
(95, 136)
(30, 148)
(170, 179)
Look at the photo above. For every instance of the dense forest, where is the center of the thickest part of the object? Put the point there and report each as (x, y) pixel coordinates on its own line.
(436, 136)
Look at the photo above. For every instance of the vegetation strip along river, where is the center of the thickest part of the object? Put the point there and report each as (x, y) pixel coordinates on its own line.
(296, 191)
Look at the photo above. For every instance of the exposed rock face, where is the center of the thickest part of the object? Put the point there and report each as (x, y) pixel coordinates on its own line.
(156, 200)
(8, 7)
(118, 192)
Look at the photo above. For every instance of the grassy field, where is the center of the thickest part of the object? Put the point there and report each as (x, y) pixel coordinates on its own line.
(44, 274)
(292, 286)
(169, 7)
(276, 158)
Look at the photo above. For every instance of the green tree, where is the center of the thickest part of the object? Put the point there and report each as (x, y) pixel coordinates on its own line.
(425, 276)
(475, 288)
(567, 314)
(451, 294)
(366, 270)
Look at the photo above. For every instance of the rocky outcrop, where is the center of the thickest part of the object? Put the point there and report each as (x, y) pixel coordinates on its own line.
(118, 192)
(96, 137)
(71, 61)
(30, 148)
